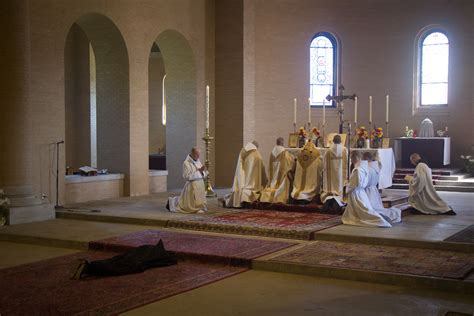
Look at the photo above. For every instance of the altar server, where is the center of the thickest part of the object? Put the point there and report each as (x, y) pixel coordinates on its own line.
(391, 214)
(359, 210)
(250, 177)
(308, 174)
(335, 171)
(422, 194)
(193, 195)
(280, 169)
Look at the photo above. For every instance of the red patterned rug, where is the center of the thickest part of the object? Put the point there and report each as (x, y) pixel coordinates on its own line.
(422, 262)
(297, 225)
(216, 249)
(44, 288)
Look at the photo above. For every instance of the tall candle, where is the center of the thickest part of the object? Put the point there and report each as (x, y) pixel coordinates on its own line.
(370, 109)
(207, 107)
(309, 110)
(294, 112)
(355, 110)
(163, 104)
(386, 109)
(324, 112)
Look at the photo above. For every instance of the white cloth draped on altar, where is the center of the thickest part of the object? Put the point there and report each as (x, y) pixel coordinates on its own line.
(385, 155)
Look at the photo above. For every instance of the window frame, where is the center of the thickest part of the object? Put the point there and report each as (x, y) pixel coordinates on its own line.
(418, 108)
(336, 65)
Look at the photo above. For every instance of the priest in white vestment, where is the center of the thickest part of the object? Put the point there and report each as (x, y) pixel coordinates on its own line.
(308, 174)
(359, 210)
(280, 170)
(334, 171)
(193, 196)
(391, 214)
(250, 177)
(422, 194)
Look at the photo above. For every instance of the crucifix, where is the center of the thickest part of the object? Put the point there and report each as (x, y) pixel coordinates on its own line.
(339, 99)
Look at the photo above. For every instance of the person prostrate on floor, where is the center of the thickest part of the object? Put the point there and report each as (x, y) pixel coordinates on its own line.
(250, 177)
(193, 196)
(308, 174)
(280, 168)
(391, 214)
(422, 194)
(359, 210)
(335, 170)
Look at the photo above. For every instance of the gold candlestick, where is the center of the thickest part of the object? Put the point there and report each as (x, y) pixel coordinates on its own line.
(207, 139)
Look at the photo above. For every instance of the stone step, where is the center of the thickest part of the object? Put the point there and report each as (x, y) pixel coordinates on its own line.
(441, 172)
(454, 183)
(394, 200)
(451, 188)
(456, 177)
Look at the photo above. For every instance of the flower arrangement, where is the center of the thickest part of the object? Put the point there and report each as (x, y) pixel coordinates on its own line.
(468, 164)
(362, 133)
(302, 132)
(316, 132)
(377, 133)
(4, 203)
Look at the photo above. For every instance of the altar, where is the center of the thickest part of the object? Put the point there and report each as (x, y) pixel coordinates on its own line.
(385, 155)
(436, 151)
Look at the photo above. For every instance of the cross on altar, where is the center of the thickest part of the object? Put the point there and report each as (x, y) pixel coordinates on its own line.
(340, 105)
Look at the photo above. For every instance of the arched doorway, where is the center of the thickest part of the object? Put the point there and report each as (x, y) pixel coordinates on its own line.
(179, 65)
(97, 97)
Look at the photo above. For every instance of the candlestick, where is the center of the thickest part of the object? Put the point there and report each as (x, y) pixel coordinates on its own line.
(386, 109)
(163, 105)
(355, 111)
(294, 112)
(309, 111)
(324, 112)
(207, 181)
(207, 107)
(370, 109)
(386, 129)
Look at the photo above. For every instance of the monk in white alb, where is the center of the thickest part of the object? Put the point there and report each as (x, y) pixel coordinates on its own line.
(422, 194)
(359, 210)
(280, 169)
(391, 214)
(250, 177)
(308, 174)
(193, 196)
(334, 171)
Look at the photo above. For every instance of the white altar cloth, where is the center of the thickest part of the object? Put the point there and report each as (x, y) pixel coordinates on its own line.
(385, 155)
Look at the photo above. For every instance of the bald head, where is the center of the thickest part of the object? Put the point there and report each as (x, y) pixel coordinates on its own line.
(195, 153)
(356, 156)
(336, 139)
(414, 158)
(280, 141)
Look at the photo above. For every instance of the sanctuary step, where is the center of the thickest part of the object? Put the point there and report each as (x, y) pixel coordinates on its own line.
(445, 179)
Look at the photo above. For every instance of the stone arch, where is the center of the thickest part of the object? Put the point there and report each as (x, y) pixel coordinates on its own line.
(112, 92)
(180, 66)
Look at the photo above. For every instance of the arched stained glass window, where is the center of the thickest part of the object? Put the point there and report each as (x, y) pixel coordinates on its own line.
(433, 69)
(323, 67)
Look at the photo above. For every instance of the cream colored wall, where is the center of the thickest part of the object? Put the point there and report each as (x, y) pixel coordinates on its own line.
(50, 21)
(377, 58)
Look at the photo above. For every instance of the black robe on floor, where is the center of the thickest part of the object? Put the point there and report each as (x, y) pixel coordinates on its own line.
(133, 261)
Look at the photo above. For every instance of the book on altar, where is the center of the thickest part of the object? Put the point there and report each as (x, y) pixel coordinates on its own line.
(88, 171)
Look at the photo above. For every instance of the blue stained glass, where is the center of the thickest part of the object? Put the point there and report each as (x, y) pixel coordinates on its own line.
(433, 85)
(322, 72)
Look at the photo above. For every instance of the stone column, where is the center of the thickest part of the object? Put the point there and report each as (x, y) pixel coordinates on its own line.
(15, 118)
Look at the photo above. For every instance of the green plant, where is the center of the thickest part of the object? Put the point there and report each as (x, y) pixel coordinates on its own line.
(4, 210)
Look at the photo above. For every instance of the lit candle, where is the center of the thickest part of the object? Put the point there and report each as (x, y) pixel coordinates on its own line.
(386, 110)
(207, 107)
(294, 112)
(370, 109)
(355, 110)
(309, 110)
(324, 112)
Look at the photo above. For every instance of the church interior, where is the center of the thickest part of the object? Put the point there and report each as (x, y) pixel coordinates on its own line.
(122, 123)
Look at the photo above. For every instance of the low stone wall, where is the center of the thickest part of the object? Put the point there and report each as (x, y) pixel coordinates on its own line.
(158, 181)
(82, 189)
